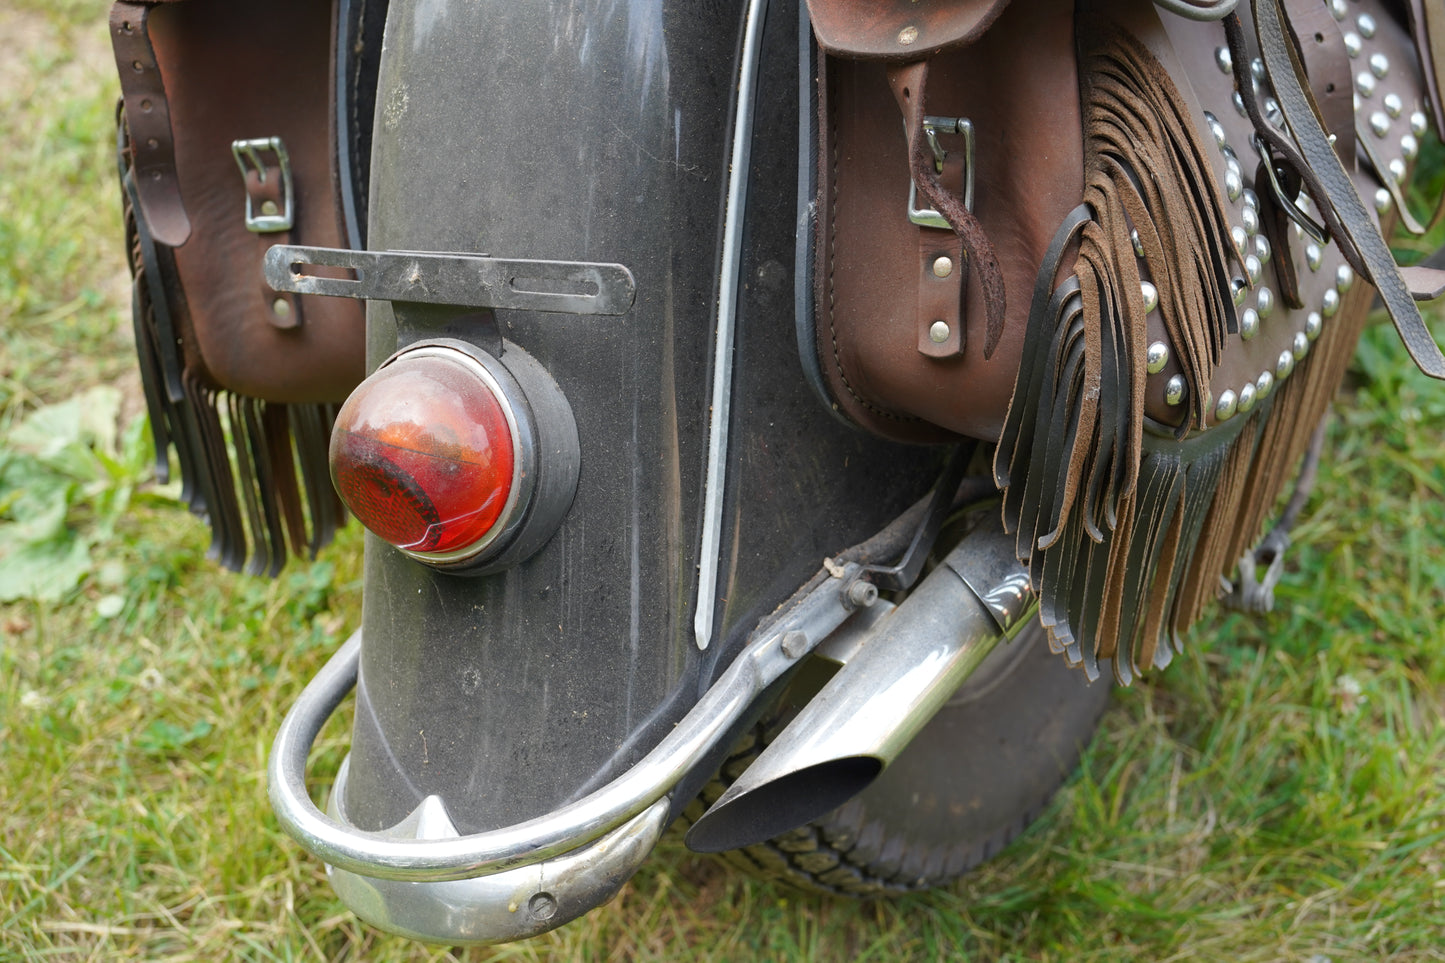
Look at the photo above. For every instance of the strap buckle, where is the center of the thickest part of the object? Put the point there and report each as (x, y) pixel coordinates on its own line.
(932, 128)
(272, 218)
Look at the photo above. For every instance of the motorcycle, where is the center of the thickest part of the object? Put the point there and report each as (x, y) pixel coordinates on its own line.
(742, 443)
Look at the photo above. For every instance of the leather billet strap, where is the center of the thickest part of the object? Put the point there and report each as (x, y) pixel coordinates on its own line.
(1427, 24)
(1334, 192)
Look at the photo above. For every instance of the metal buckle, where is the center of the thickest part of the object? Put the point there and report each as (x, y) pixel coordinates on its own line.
(1287, 204)
(932, 127)
(268, 221)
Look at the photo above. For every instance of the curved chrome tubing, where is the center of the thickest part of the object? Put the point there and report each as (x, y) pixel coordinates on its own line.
(566, 830)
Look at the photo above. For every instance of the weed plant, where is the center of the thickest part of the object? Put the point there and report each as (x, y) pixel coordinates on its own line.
(1276, 795)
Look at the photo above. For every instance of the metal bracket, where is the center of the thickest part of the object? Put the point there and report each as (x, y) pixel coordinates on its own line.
(932, 127)
(248, 158)
(464, 280)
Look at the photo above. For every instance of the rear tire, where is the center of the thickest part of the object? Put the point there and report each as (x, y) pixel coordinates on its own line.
(979, 773)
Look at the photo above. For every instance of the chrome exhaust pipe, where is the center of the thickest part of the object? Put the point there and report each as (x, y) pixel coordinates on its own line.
(900, 665)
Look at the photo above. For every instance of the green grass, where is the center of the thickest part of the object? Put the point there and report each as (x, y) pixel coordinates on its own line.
(1278, 794)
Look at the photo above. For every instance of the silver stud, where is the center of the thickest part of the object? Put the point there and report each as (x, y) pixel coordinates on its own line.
(1174, 390)
(1239, 107)
(1264, 384)
(1135, 240)
(1366, 24)
(1251, 199)
(1379, 65)
(1353, 44)
(938, 332)
(1338, 8)
(1224, 60)
(942, 267)
(1379, 123)
(1227, 402)
(1301, 346)
(1248, 323)
(1355, 101)
(1394, 106)
(1249, 216)
(1272, 112)
(1383, 200)
(1246, 397)
(907, 35)
(1365, 84)
(1330, 303)
(1410, 147)
(1156, 357)
(1253, 268)
(1397, 170)
(1233, 185)
(1344, 277)
(1215, 128)
(1240, 237)
(1284, 365)
(1314, 257)
(1256, 69)
(1151, 295)
(1314, 324)
(1418, 123)
(1231, 166)
(1240, 289)
(1261, 247)
(1264, 300)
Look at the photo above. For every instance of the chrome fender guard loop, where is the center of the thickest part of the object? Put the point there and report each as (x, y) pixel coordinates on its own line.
(563, 830)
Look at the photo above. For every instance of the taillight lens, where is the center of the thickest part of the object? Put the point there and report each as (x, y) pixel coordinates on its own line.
(425, 454)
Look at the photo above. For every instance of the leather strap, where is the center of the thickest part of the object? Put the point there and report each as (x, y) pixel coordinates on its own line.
(264, 192)
(1356, 231)
(909, 83)
(144, 94)
(1320, 42)
(1427, 24)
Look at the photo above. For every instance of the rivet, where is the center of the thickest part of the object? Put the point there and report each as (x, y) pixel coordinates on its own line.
(1365, 84)
(1174, 390)
(1366, 24)
(1156, 357)
(1240, 289)
(1353, 44)
(1394, 106)
(1338, 8)
(1314, 324)
(942, 267)
(1248, 323)
(1224, 60)
(1379, 123)
(1151, 295)
(1239, 107)
(1314, 257)
(1272, 112)
(1138, 244)
(1251, 199)
(1383, 200)
(1397, 170)
(1379, 65)
(281, 308)
(1231, 165)
(1253, 268)
(153, 142)
(1418, 123)
(1344, 277)
(1240, 237)
(1233, 185)
(1410, 147)
(146, 105)
(1249, 216)
(907, 35)
(1261, 247)
(1256, 69)
(137, 66)
(1301, 345)
(1264, 384)
(1246, 397)
(1216, 128)
(1330, 303)
(1264, 299)
(269, 208)
(1224, 410)
(1284, 365)
(938, 332)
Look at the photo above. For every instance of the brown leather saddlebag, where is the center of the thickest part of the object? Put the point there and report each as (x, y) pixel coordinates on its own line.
(227, 145)
(1134, 244)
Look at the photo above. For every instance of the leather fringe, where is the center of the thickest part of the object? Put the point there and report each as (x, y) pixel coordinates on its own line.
(239, 457)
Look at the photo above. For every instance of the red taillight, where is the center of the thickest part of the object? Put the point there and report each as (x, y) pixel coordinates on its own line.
(425, 454)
